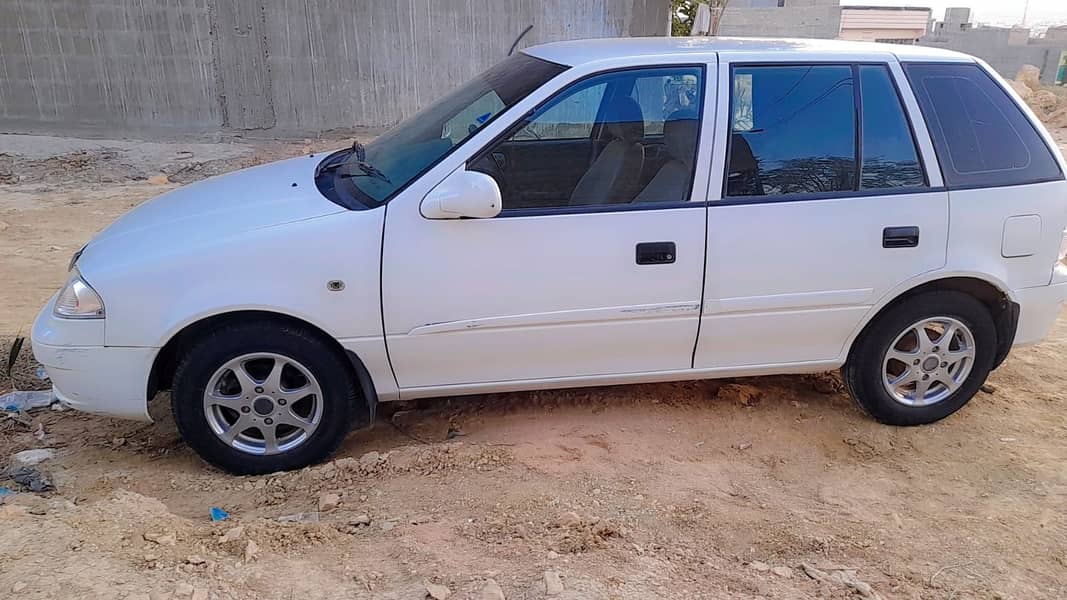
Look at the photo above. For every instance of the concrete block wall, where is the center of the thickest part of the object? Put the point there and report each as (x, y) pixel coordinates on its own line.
(819, 21)
(106, 63)
(991, 45)
(288, 66)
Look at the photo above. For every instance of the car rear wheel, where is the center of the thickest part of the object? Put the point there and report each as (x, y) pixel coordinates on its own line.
(261, 397)
(923, 359)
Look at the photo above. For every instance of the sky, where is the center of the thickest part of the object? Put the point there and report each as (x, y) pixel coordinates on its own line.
(993, 12)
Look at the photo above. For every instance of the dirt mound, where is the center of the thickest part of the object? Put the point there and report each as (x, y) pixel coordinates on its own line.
(1030, 76)
(1024, 91)
(1044, 100)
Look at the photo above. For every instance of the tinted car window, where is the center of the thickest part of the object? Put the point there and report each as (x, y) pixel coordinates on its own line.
(661, 97)
(981, 136)
(571, 118)
(624, 137)
(793, 130)
(890, 157)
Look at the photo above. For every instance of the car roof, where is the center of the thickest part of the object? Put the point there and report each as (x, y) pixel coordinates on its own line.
(577, 52)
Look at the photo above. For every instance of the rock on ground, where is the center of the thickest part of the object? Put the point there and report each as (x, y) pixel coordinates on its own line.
(843, 577)
(329, 501)
(370, 459)
(492, 591)
(785, 572)
(436, 590)
(232, 535)
(163, 539)
(740, 393)
(553, 584)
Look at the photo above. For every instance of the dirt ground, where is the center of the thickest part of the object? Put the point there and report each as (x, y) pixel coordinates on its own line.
(763, 488)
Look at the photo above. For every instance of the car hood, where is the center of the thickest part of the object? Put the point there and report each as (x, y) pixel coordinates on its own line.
(216, 208)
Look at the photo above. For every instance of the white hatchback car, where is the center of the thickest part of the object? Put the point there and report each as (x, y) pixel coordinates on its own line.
(585, 213)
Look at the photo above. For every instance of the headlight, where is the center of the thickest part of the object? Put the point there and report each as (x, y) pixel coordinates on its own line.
(79, 301)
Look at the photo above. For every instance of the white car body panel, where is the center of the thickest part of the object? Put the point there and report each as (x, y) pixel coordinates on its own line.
(773, 292)
(449, 307)
(509, 293)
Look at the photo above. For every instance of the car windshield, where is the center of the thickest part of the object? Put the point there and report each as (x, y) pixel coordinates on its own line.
(390, 162)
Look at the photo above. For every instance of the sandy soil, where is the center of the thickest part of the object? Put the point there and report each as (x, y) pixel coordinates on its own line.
(771, 487)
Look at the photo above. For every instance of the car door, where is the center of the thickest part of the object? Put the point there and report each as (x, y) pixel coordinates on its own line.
(553, 288)
(831, 198)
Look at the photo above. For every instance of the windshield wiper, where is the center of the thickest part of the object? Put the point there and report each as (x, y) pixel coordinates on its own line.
(338, 162)
(365, 169)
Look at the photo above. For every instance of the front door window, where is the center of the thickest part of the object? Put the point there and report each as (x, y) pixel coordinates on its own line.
(620, 138)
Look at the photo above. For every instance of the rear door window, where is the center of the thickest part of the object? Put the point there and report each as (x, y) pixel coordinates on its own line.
(793, 130)
(982, 137)
(890, 158)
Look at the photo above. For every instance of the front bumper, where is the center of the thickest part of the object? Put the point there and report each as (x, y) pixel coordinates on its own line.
(88, 375)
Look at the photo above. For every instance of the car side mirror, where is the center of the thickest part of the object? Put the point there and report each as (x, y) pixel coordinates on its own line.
(463, 194)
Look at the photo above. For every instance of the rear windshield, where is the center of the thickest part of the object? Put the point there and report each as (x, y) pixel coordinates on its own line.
(370, 177)
(982, 137)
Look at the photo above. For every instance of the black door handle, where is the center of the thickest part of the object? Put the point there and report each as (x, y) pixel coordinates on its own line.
(900, 237)
(656, 253)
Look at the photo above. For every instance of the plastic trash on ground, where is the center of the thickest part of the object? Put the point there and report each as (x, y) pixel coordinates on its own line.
(31, 478)
(21, 401)
(217, 514)
(29, 458)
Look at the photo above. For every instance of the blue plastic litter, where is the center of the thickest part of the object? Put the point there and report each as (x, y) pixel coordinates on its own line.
(217, 514)
(21, 401)
(5, 492)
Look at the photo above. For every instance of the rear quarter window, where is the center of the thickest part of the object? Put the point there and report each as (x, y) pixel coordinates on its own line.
(982, 138)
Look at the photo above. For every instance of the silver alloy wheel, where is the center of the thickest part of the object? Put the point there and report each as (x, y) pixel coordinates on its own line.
(928, 361)
(263, 403)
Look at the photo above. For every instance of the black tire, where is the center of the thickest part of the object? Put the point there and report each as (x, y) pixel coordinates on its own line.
(864, 369)
(341, 402)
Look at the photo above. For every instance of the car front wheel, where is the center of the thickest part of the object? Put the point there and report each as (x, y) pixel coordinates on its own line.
(923, 359)
(260, 397)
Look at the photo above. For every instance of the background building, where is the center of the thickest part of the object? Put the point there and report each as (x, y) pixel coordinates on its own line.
(782, 18)
(824, 19)
(1006, 49)
(888, 24)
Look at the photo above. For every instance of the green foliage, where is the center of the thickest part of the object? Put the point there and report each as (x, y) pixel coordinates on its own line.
(684, 11)
(682, 14)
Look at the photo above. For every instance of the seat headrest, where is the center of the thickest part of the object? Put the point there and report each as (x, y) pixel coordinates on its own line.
(680, 134)
(624, 119)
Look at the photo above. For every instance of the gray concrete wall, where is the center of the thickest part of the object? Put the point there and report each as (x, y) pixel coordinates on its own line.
(816, 21)
(992, 45)
(289, 66)
(106, 63)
